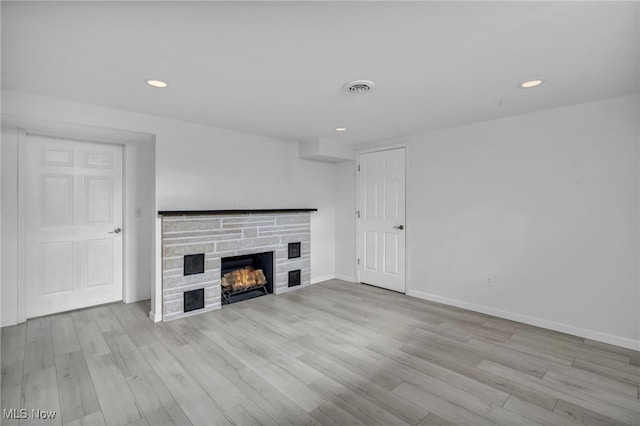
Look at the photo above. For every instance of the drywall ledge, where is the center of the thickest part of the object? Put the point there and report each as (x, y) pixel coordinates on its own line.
(327, 150)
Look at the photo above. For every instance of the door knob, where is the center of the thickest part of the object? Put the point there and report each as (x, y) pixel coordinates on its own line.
(116, 231)
(401, 227)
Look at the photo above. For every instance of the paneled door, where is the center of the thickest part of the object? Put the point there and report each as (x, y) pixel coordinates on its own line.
(381, 219)
(73, 220)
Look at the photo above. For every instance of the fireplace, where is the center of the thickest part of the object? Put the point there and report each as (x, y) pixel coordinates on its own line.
(245, 277)
(194, 244)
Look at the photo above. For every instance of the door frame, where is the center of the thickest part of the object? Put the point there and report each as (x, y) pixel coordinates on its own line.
(23, 140)
(406, 209)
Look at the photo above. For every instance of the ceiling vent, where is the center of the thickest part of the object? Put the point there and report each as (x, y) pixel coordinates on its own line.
(359, 86)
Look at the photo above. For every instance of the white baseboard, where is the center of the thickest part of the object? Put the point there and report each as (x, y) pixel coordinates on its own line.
(323, 278)
(8, 322)
(155, 317)
(288, 289)
(139, 297)
(347, 278)
(315, 280)
(538, 322)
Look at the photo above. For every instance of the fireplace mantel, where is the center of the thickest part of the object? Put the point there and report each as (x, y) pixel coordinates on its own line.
(230, 212)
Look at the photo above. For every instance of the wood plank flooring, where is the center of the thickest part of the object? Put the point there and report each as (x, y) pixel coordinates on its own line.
(333, 353)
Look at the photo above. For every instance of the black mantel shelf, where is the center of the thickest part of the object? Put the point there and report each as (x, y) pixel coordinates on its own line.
(216, 212)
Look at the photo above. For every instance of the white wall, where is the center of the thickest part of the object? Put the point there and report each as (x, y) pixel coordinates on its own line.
(139, 194)
(9, 220)
(201, 167)
(1, 232)
(345, 221)
(638, 120)
(544, 203)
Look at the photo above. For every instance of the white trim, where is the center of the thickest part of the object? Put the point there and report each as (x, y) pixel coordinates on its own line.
(139, 297)
(155, 317)
(346, 278)
(317, 280)
(404, 146)
(284, 290)
(637, 104)
(356, 261)
(538, 322)
(156, 265)
(323, 278)
(381, 148)
(313, 281)
(127, 221)
(407, 222)
(356, 206)
(290, 289)
(22, 227)
(0, 232)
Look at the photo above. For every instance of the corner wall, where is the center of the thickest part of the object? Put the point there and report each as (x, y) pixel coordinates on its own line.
(9, 191)
(533, 218)
(203, 167)
(345, 221)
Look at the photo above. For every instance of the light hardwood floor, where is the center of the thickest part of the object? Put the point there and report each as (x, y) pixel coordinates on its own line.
(331, 353)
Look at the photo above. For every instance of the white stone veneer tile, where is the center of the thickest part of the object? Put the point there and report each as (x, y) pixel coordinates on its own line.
(234, 235)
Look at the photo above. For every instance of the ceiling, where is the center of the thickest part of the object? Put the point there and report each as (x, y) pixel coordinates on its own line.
(277, 68)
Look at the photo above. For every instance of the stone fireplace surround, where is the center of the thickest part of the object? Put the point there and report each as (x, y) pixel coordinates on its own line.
(225, 233)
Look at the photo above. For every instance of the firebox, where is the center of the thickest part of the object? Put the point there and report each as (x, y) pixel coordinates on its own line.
(245, 277)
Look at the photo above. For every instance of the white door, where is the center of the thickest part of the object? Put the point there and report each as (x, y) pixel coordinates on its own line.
(73, 224)
(381, 234)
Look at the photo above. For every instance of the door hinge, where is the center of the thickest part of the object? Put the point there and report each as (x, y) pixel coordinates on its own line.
(358, 166)
(358, 213)
(358, 261)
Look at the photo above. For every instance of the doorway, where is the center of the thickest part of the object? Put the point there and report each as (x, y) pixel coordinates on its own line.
(73, 215)
(381, 219)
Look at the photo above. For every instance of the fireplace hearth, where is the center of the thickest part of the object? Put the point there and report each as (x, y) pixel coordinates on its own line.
(245, 277)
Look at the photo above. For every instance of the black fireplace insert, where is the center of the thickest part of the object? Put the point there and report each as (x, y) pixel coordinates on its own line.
(241, 278)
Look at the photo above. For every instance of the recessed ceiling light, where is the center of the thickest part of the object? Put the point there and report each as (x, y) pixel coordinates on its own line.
(341, 129)
(531, 83)
(157, 83)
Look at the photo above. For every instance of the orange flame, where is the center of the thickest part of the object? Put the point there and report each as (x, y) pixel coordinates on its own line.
(245, 278)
